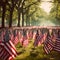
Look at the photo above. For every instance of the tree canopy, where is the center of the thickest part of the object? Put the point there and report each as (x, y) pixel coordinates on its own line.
(28, 12)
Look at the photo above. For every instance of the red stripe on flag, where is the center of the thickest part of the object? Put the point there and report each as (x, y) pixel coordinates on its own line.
(6, 56)
(16, 40)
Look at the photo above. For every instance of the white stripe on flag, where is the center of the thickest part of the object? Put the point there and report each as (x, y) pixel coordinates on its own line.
(12, 45)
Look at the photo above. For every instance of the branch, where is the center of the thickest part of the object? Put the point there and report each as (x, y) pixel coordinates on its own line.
(19, 3)
(16, 1)
(31, 5)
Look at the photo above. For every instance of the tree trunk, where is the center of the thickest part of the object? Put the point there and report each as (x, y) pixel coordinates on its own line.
(28, 21)
(22, 13)
(27, 18)
(10, 20)
(22, 19)
(3, 15)
(19, 14)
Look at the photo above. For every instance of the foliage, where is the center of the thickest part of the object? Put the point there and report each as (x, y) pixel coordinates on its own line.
(28, 12)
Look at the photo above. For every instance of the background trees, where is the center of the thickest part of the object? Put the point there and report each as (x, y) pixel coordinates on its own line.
(27, 12)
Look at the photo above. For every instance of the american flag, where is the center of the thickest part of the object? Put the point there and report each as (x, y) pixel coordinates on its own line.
(42, 39)
(57, 45)
(46, 49)
(2, 35)
(38, 40)
(15, 38)
(25, 43)
(7, 50)
(15, 41)
(12, 37)
(51, 42)
(48, 45)
(28, 37)
(29, 34)
(21, 40)
(34, 35)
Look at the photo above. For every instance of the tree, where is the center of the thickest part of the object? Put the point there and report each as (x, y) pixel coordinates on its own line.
(55, 9)
(28, 8)
(23, 8)
(11, 4)
(3, 4)
(18, 7)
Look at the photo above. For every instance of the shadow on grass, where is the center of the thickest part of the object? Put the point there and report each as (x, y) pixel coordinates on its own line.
(36, 54)
(34, 58)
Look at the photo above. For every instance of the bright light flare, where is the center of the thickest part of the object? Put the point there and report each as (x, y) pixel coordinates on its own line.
(46, 6)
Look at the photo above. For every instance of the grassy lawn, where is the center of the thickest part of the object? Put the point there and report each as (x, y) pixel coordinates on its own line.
(31, 53)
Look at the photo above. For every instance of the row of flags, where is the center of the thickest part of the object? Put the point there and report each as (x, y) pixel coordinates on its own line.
(52, 42)
(38, 35)
(7, 48)
(10, 38)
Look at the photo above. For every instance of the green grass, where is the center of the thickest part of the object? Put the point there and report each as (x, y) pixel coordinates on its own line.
(31, 53)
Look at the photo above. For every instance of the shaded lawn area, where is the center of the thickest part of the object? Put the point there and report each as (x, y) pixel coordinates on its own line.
(31, 53)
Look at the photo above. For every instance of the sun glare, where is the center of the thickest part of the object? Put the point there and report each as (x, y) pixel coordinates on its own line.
(46, 6)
